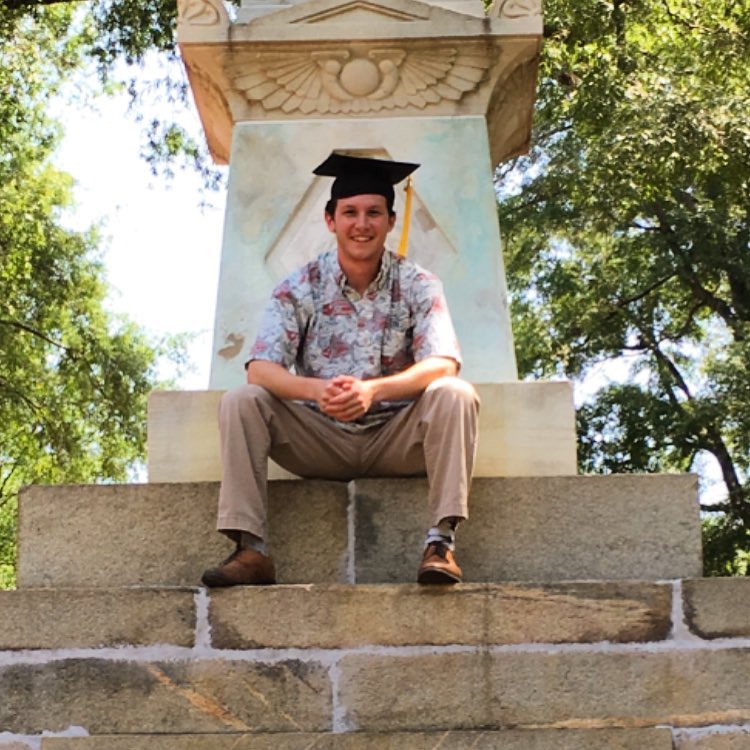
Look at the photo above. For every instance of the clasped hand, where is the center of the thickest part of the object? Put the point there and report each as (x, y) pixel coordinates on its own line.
(346, 398)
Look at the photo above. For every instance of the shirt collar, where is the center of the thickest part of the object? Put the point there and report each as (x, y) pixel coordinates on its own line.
(385, 266)
(335, 269)
(378, 282)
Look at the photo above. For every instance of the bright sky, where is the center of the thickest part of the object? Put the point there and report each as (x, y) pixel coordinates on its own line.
(162, 250)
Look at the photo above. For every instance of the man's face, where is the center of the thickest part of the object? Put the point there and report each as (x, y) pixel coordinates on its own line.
(360, 223)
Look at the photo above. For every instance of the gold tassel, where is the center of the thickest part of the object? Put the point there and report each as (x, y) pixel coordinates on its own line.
(403, 244)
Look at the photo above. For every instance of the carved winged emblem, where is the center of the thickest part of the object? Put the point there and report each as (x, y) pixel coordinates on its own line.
(516, 8)
(198, 12)
(350, 81)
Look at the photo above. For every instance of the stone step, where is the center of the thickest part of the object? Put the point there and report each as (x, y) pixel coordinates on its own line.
(564, 657)
(596, 739)
(599, 739)
(34, 619)
(717, 738)
(370, 531)
(390, 690)
(164, 534)
(617, 527)
(336, 616)
(331, 617)
(565, 689)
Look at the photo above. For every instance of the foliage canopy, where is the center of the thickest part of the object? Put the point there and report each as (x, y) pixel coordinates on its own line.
(628, 239)
(73, 378)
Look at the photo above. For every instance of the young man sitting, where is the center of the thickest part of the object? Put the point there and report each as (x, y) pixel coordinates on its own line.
(352, 374)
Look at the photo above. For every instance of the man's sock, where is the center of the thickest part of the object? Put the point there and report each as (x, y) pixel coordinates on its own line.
(444, 532)
(250, 541)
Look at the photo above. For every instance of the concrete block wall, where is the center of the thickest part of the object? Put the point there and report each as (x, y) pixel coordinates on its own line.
(529, 667)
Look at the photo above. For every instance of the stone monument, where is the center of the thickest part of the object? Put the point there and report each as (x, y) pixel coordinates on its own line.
(443, 83)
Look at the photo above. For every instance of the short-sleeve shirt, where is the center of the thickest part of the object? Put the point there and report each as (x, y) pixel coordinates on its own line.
(318, 326)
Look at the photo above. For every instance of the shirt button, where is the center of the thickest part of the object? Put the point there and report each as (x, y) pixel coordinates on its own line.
(361, 323)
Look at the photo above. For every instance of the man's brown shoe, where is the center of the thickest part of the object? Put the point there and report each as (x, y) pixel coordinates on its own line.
(244, 567)
(438, 565)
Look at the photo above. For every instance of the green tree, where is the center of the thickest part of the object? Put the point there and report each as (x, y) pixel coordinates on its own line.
(73, 378)
(130, 32)
(121, 37)
(628, 239)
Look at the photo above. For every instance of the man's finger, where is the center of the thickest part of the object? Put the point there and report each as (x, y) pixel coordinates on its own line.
(345, 397)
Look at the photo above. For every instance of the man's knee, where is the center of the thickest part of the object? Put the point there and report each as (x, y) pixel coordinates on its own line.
(453, 390)
(242, 397)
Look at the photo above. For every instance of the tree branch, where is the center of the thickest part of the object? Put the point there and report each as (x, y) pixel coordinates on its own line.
(672, 370)
(683, 330)
(718, 305)
(33, 331)
(683, 21)
(522, 206)
(643, 227)
(709, 438)
(12, 389)
(4, 498)
(738, 502)
(18, 4)
(645, 292)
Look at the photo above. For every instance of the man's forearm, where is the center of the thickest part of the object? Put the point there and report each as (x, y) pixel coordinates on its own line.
(345, 397)
(282, 383)
(411, 382)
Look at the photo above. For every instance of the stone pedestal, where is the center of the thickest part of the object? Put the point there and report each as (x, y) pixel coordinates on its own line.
(445, 84)
(525, 430)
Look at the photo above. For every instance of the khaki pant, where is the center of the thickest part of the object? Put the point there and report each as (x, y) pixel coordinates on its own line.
(436, 435)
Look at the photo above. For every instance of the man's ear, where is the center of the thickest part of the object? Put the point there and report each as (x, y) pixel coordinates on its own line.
(330, 223)
(391, 221)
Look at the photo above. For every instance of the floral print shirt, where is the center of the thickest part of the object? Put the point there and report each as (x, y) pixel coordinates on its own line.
(318, 326)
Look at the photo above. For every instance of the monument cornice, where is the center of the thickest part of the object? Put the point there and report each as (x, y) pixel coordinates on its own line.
(361, 59)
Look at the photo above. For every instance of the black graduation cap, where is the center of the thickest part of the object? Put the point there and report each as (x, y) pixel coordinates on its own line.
(357, 175)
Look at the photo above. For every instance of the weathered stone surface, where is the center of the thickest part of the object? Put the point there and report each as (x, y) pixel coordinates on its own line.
(302, 511)
(86, 618)
(533, 529)
(526, 430)
(183, 438)
(281, 224)
(124, 535)
(539, 529)
(117, 535)
(615, 739)
(118, 697)
(718, 607)
(14, 745)
(723, 740)
(333, 616)
(568, 690)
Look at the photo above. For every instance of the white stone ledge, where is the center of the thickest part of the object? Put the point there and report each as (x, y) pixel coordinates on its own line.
(525, 429)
